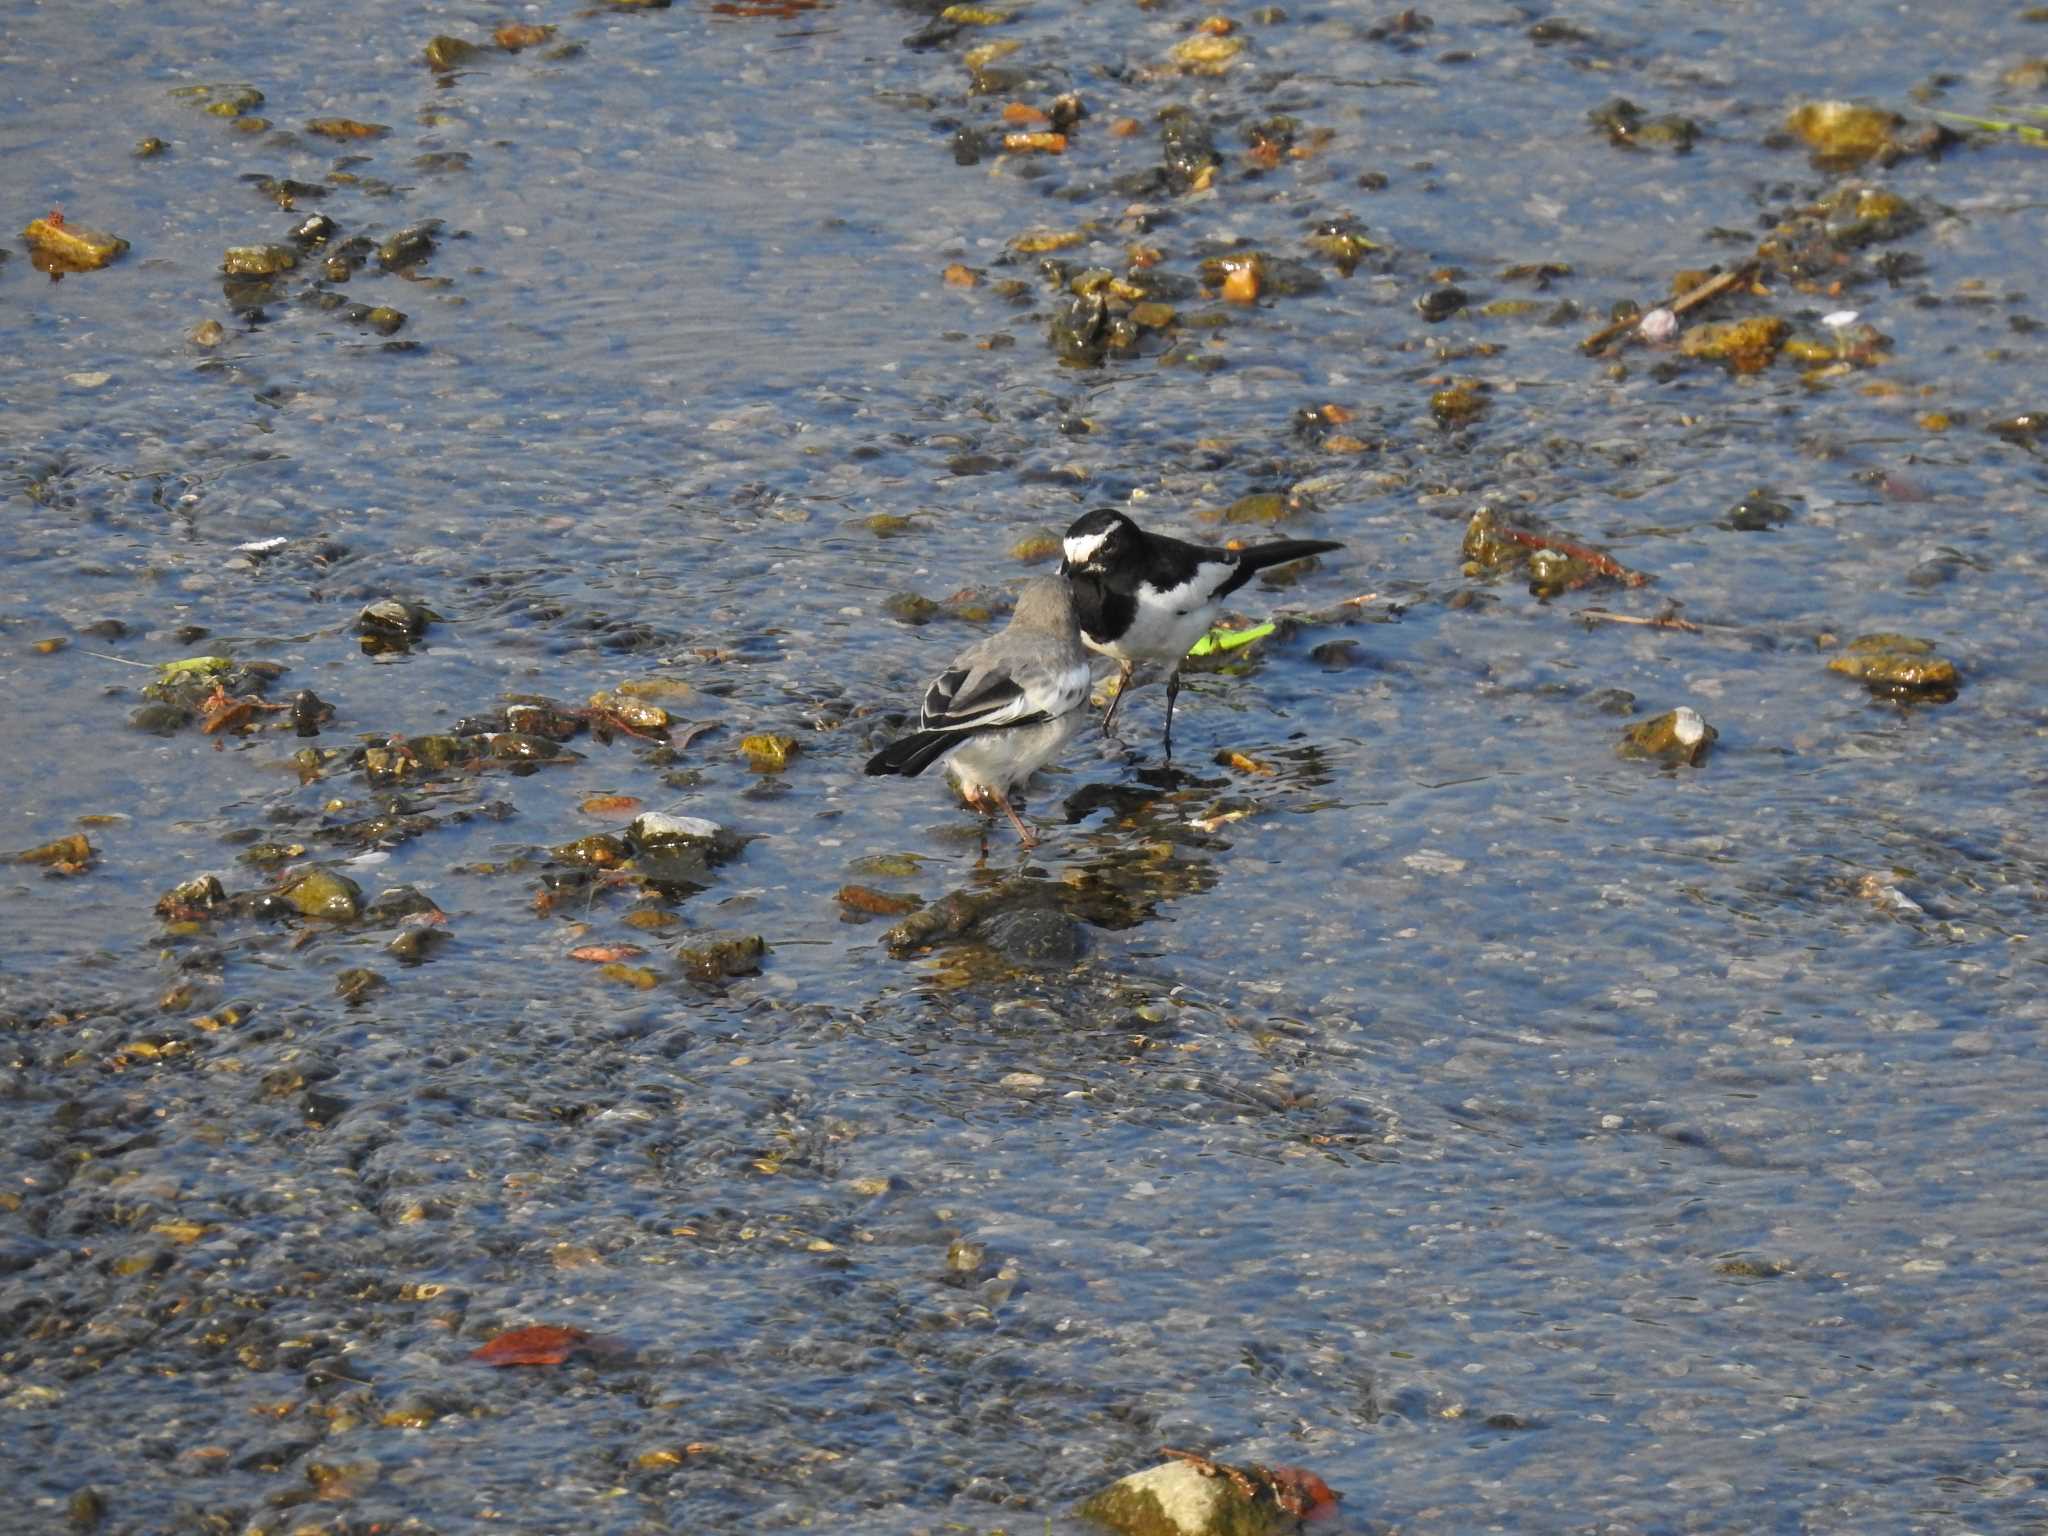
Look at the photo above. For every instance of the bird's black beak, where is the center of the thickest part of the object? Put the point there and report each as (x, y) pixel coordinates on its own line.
(1066, 567)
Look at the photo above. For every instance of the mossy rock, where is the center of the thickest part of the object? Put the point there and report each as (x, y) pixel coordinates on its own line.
(715, 956)
(1745, 346)
(324, 893)
(1678, 736)
(1903, 666)
(1840, 133)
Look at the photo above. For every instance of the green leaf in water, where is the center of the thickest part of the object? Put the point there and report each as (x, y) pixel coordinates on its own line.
(1218, 640)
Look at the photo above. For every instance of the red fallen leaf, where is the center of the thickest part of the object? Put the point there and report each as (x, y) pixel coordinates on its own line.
(606, 954)
(539, 1345)
(1317, 1501)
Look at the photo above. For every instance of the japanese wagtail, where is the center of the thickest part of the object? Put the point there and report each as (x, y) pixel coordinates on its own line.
(1005, 706)
(1147, 597)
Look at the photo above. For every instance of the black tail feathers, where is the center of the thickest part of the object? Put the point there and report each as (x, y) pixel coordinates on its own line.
(1280, 552)
(914, 753)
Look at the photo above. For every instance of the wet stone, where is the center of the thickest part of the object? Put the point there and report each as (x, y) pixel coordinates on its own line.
(714, 956)
(1757, 513)
(160, 718)
(323, 893)
(446, 53)
(1439, 304)
(258, 260)
(1033, 936)
(392, 625)
(356, 983)
(910, 608)
(1899, 666)
(865, 901)
(201, 894)
(1678, 736)
(407, 248)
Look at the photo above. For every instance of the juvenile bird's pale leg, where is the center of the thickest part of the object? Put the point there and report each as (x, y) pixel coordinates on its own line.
(1123, 683)
(1025, 836)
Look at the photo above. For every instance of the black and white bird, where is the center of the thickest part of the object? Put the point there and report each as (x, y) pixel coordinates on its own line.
(1004, 707)
(1147, 597)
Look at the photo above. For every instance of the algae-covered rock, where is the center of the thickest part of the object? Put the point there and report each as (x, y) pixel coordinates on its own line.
(1840, 133)
(631, 713)
(444, 53)
(391, 625)
(1439, 304)
(1899, 666)
(1191, 1496)
(910, 608)
(1628, 126)
(1674, 737)
(1459, 404)
(518, 747)
(1758, 512)
(1205, 53)
(258, 260)
(1342, 245)
(1258, 507)
(1488, 551)
(1188, 146)
(1864, 215)
(1553, 572)
(865, 901)
(600, 850)
(516, 35)
(717, 955)
(1080, 330)
(60, 246)
(1745, 346)
(768, 752)
(323, 893)
(358, 982)
(197, 897)
(346, 128)
(408, 247)
(70, 852)
(658, 829)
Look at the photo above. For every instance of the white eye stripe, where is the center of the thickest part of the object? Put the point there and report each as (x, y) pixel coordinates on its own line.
(1080, 551)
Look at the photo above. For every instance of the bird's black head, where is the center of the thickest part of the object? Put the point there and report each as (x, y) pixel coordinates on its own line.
(1098, 541)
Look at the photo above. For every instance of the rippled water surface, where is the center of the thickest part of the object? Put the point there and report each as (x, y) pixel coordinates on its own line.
(1402, 1085)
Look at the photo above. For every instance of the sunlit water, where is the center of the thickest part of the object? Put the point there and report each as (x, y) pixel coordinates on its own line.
(1521, 1137)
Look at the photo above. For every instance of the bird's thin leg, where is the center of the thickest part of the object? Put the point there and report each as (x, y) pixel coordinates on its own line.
(1172, 693)
(1025, 836)
(1123, 683)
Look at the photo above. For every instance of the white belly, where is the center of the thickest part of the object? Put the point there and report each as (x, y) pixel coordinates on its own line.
(1001, 760)
(1164, 628)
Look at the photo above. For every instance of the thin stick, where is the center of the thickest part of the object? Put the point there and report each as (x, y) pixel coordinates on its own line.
(1705, 293)
(103, 656)
(1661, 621)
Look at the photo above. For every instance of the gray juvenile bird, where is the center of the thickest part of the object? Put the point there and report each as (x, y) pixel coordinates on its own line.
(1004, 707)
(1147, 597)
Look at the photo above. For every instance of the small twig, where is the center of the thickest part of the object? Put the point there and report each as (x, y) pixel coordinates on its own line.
(1360, 600)
(1659, 621)
(125, 661)
(1605, 565)
(1705, 293)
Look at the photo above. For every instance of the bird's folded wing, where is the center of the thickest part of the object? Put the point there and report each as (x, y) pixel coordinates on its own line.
(992, 693)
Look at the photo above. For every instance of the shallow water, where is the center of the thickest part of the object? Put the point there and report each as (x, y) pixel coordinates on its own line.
(1519, 1136)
